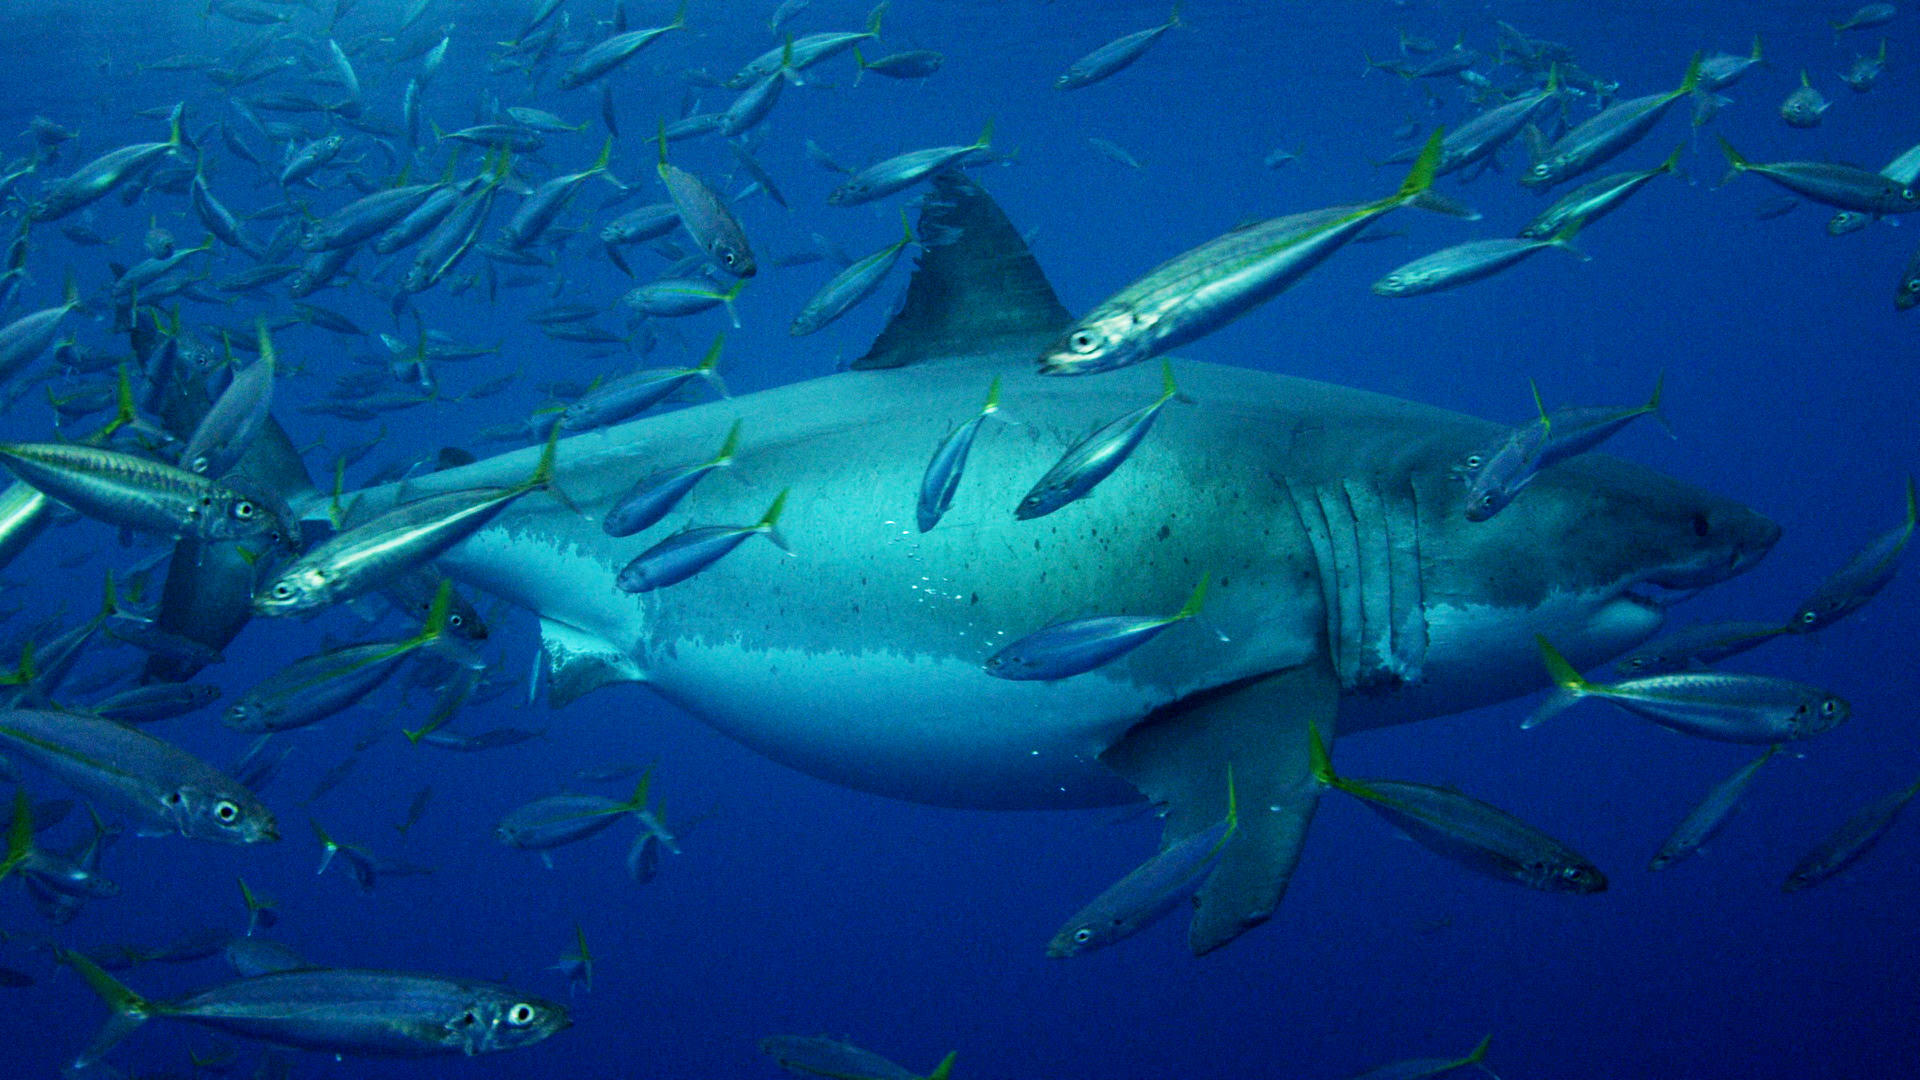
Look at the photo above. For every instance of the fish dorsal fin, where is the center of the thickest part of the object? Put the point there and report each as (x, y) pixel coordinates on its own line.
(975, 286)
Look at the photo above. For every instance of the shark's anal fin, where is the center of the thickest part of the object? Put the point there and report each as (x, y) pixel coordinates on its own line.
(578, 661)
(1180, 760)
(976, 288)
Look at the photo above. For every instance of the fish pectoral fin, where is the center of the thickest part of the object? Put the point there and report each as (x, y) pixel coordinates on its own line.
(579, 661)
(1179, 758)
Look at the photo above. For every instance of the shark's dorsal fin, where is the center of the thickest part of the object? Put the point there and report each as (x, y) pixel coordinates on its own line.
(975, 286)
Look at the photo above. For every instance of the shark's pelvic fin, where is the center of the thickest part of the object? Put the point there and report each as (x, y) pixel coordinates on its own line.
(1179, 760)
(976, 288)
(578, 662)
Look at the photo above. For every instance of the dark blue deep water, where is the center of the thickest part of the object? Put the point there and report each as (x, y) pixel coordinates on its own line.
(1792, 385)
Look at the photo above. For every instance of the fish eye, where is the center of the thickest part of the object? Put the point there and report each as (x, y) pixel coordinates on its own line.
(1082, 936)
(1083, 342)
(1828, 707)
(243, 509)
(729, 258)
(1538, 170)
(1701, 527)
(226, 812)
(174, 798)
(455, 620)
(1572, 873)
(520, 1015)
(282, 591)
(1809, 617)
(468, 1019)
(1474, 461)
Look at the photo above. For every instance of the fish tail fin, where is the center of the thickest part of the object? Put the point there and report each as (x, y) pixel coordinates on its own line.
(23, 672)
(1572, 687)
(437, 614)
(1168, 388)
(679, 17)
(1692, 80)
(1198, 597)
(661, 164)
(1564, 238)
(109, 601)
(639, 800)
(944, 1070)
(606, 155)
(542, 478)
(130, 1010)
(328, 847)
(906, 229)
(1233, 808)
(1318, 761)
(1553, 78)
(1735, 163)
(1479, 1053)
(769, 522)
(986, 136)
(1755, 54)
(173, 126)
(873, 17)
(993, 397)
(727, 448)
(1653, 407)
(709, 368)
(19, 833)
(1420, 177)
(1173, 17)
(124, 412)
(860, 66)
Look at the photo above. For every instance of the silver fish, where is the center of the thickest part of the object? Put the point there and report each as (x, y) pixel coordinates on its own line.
(1095, 457)
(654, 496)
(1153, 889)
(1714, 705)
(686, 553)
(942, 478)
(1114, 56)
(338, 1011)
(159, 787)
(1480, 837)
(1854, 838)
(1705, 819)
(1859, 580)
(1077, 646)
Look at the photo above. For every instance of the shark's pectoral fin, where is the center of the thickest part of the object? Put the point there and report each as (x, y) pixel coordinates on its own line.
(578, 661)
(1179, 760)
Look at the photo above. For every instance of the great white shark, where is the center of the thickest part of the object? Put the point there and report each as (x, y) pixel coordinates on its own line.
(1348, 588)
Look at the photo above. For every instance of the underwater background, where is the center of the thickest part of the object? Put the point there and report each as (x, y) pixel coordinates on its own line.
(1791, 385)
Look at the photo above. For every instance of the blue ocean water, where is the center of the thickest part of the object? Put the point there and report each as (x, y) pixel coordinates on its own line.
(801, 907)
